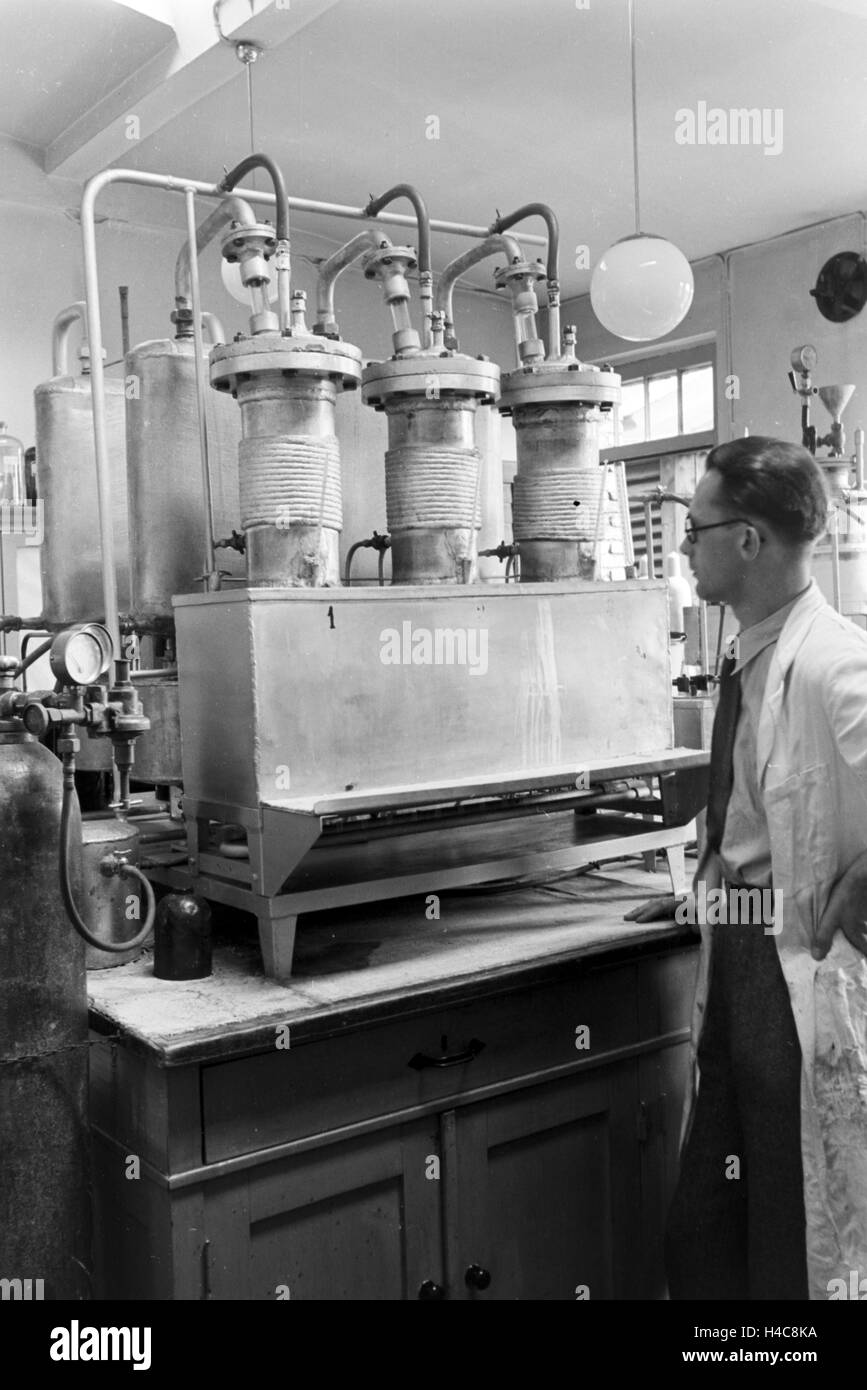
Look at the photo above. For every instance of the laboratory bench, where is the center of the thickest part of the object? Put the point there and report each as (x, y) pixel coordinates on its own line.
(476, 1096)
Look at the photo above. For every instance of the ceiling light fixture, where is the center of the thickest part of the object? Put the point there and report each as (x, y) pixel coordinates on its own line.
(642, 286)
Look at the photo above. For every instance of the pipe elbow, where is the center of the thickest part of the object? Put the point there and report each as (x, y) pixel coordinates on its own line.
(549, 217)
(334, 266)
(61, 329)
(263, 161)
(407, 190)
(230, 209)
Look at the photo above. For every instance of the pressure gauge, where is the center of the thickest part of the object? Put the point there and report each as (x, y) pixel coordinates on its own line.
(80, 655)
(804, 358)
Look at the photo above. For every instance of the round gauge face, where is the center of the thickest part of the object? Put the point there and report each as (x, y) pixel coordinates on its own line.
(804, 358)
(80, 656)
(83, 658)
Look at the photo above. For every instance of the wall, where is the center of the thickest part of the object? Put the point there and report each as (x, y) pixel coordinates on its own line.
(755, 301)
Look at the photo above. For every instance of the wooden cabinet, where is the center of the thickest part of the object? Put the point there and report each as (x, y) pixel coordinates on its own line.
(547, 1199)
(518, 1144)
(350, 1221)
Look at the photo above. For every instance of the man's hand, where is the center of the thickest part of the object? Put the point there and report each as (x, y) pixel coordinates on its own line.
(846, 910)
(654, 910)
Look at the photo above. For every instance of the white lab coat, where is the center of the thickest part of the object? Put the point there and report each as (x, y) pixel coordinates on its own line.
(812, 769)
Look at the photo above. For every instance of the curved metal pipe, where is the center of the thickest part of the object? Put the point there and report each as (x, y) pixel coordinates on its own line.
(262, 161)
(425, 272)
(214, 327)
(63, 324)
(335, 266)
(493, 245)
(502, 224)
(347, 568)
(281, 257)
(552, 269)
(231, 209)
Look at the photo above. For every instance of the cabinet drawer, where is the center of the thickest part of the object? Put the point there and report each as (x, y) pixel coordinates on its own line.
(317, 1087)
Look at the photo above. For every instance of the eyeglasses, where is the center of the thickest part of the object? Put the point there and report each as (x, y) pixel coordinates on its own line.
(690, 531)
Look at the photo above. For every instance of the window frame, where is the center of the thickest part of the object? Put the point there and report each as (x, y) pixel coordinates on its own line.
(643, 366)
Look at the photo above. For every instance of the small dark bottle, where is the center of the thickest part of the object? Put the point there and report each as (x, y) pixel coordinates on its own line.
(182, 938)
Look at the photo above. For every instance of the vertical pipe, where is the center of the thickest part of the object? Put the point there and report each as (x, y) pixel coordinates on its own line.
(555, 345)
(123, 291)
(282, 263)
(211, 576)
(97, 386)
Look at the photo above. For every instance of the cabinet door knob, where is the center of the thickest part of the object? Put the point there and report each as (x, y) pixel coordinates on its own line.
(476, 1277)
(430, 1290)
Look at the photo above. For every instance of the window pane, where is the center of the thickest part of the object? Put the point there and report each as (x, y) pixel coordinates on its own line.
(697, 388)
(606, 430)
(632, 424)
(662, 391)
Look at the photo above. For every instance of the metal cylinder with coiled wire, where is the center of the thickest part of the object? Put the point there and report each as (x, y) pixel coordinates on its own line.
(432, 466)
(289, 461)
(557, 491)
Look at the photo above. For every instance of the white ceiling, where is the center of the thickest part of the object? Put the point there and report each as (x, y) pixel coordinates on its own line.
(58, 58)
(532, 101)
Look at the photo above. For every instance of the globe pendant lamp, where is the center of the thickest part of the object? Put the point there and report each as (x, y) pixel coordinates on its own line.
(642, 287)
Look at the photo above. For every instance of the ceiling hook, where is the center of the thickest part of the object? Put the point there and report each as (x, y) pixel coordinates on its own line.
(246, 50)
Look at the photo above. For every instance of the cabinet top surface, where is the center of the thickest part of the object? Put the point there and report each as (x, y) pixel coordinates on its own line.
(364, 966)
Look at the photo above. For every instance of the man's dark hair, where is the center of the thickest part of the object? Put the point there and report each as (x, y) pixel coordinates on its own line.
(779, 482)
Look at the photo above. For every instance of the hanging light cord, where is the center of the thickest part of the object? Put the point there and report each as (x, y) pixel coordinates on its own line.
(634, 114)
(249, 67)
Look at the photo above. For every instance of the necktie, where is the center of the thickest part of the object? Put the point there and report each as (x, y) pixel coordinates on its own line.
(721, 749)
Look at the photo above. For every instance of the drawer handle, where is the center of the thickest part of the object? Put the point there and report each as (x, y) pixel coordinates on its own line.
(448, 1059)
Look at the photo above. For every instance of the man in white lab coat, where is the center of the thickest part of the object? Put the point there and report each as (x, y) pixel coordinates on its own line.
(772, 1196)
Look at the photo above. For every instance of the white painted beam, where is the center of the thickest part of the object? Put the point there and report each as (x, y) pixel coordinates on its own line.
(173, 81)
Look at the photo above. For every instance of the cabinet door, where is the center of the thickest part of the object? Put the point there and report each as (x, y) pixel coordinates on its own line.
(662, 1082)
(358, 1220)
(543, 1191)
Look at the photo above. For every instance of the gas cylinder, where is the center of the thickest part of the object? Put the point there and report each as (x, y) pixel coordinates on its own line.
(166, 500)
(71, 557)
(44, 1137)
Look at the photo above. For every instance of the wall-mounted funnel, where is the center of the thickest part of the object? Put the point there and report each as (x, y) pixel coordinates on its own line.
(835, 399)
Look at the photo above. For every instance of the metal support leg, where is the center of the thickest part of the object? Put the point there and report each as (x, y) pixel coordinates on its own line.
(276, 939)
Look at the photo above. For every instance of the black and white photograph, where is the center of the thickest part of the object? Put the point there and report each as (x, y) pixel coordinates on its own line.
(433, 669)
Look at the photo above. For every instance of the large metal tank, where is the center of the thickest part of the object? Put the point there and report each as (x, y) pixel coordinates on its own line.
(432, 466)
(44, 1136)
(166, 504)
(71, 556)
(289, 459)
(555, 406)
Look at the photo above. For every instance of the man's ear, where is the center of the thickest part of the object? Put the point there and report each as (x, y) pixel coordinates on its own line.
(751, 544)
